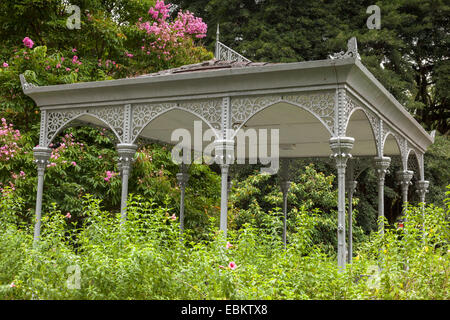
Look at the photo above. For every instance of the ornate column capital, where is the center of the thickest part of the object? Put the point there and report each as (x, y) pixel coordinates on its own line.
(350, 186)
(41, 157)
(381, 167)
(422, 189)
(224, 152)
(341, 147)
(182, 179)
(285, 186)
(126, 153)
(404, 177)
(183, 176)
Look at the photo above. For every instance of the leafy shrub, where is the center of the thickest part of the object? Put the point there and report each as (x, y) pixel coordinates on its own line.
(310, 192)
(147, 257)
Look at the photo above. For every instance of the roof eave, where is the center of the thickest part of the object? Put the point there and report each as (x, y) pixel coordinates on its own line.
(200, 82)
(362, 80)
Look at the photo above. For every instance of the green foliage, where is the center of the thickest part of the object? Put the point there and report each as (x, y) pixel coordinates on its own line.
(84, 161)
(257, 200)
(107, 46)
(98, 51)
(437, 170)
(147, 257)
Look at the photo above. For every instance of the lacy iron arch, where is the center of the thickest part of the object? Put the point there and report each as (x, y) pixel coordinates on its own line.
(401, 143)
(371, 120)
(54, 121)
(320, 104)
(209, 111)
(352, 104)
(414, 161)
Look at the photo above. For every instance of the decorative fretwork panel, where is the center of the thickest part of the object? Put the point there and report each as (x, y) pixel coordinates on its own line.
(114, 116)
(415, 162)
(56, 120)
(225, 53)
(320, 104)
(401, 142)
(351, 105)
(208, 110)
(143, 114)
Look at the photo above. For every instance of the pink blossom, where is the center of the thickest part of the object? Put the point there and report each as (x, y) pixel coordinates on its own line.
(232, 265)
(153, 13)
(5, 65)
(68, 216)
(173, 217)
(169, 33)
(74, 163)
(67, 69)
(229, 245)
(12, 285)
(74, 50)
(58, 65)
(109, 175)
(28, 42)
(221, 267)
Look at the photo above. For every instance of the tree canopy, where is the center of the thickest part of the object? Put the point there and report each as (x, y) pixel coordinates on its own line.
(408, 54)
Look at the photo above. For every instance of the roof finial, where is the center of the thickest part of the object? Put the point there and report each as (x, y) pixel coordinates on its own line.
(217, 43)
(352, 51)
(225, 53)
(25, 85)
(217, 33)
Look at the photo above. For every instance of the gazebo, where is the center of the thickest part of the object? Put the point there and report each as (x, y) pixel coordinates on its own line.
(333, 107)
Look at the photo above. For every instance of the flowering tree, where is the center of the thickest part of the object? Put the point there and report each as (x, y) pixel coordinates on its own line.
(83, 160)
(170, 41)
(106, 47)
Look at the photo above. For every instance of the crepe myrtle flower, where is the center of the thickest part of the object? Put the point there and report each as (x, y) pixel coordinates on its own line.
(28, 42)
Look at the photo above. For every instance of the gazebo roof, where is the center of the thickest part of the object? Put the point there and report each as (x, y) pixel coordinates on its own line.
(335, 95)
(208, 65)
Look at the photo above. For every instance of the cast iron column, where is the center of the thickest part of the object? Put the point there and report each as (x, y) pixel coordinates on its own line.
(224, 157)
(126, 153)
(41, 156)
(381, 168)
(284, 186)
(182, 178)
(341, 147)
(351, 187)
(404, 179)
(422, 189)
